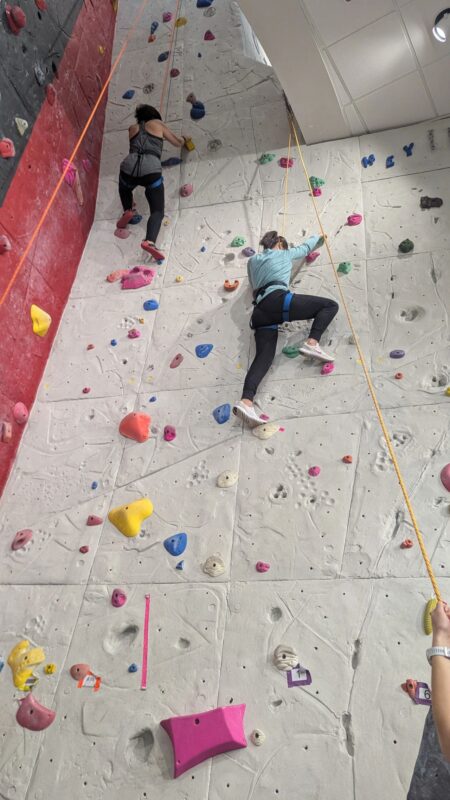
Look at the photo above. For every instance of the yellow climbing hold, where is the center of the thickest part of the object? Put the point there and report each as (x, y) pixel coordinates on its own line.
(101, 49)
(180, 22)
(115, 5)
(49, 669)
(429, 608)
(179, 279)
(447, 391)
(40, 319)
(129, 518)
(22, 659)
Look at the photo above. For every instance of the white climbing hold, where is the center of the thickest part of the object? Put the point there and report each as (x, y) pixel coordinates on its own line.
(285, 657)
(214, 566)
(257, 737)
(21, 125)
(226, 479)
(265, 431)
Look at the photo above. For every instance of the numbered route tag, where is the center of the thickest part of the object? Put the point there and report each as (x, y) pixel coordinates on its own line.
(422, 695)
(298, 676)
(90, 681)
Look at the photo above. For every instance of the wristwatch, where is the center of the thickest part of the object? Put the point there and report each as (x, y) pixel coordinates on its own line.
(437, 651)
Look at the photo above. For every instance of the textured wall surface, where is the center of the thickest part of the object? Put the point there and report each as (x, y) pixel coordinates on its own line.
(340, 590)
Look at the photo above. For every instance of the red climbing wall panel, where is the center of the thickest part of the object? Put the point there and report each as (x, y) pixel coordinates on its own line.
(48, 272)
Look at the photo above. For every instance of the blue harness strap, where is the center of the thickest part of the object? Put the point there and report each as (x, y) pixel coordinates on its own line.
(286, 305)
(159, 181)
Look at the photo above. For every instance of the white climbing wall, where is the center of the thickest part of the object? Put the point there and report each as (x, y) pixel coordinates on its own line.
(340, 591)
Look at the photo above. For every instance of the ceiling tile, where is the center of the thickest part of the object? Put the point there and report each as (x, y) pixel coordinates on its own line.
(373, 57)
(401, 103)
(335, 19)
(357, 127)
(437, 78)
(419, 17)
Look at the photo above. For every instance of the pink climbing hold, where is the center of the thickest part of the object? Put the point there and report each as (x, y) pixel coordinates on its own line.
(209, 36)
(71, 174)
(133, 333)
(121, 233)
(445, 477)
(138, 277)
(21, 539)
(286, 162)
(167, 16)
(5, 244)
(186, 190)
(87, 164)
(354, 219)
(317, 191)
(314, 471)
(86, 389)
(16, 18)
(34, 716)
(118, 598)
(311, 257)
(7, 149)
(174, 72)
(327, 368)
(50, 93)
(20, 413)
(265, 417)
(196, 737)
(169, 433)
(93, 519)
(262, 566)
(176, 361)
(79, 671)
(84, 549)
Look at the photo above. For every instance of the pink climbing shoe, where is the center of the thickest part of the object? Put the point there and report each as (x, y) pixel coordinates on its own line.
(151, 248)
(315, 351)
(247, 414)
(125, 219)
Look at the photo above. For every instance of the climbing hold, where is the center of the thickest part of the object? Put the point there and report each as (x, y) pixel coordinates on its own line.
(214, 566)
(41, 5)
(15, 18)
(21, 125)
(20, 413)
(257, 737)
(317, 192)
(230, 287)
(39, 74)
(50, 669)
(191, 98)
(204, 3)
(167, 16)
(40, 319)
(408, 148)
(197, 110)
(128, 94)
(50, 93)
(347, 459)
(152, 399)
(169, 433)
(94, 485)
(93, 519)
(266, 158)
(327, 368)
(137, 277)
(34, 716)
(222, 413)
(214, 145)
(163, 56)
(189, 144)
(174, 72)
(262, 566)
(113, 342)
(445, 477)
(314, 471)
(151, 305)
(238, 241)
(136, 426)
(397, 354)
(311, 257)
(186, 190)
(79, 671)
(101, 49)
(390, 162)
(447, 391)
(406, 246)
(154, 26)
(176, 545)
(196, 737)
(116, 275)
(135, 219)
(90, 347)
(407, 544)
(180, 565)
(84, 548)
(173, 161)
(398, 376)
(203, 249)
(21, 539)
(7, 149)
(203, 350)
(209, 12)
(5, 432)
(316, 183)
(129, 517)
(227, 479)
(286, 163)
(248, 252)
(176, 361)
(133, 668)
(148, 88)
(133, 333)
(285, 657)
(151, 38)
(344, 267)
(5, 244)
(209, 36)
(22, 658)
(86, 389)
(429, 608)
(265, 431)
(179, 279)
(354, 219)
(180, 22)
(118, 598)
(431, 202)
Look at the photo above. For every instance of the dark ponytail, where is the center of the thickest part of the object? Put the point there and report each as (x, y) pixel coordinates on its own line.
(145, 113)
(271, 239)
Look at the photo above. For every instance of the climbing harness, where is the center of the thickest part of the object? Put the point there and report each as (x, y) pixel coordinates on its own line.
(287, 300)
(362, 359)
(263, 289)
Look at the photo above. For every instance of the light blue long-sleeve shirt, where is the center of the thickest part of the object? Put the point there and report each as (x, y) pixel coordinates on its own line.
(276, 265)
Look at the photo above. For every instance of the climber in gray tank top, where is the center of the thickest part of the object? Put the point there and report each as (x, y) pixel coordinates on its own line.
(142, 167)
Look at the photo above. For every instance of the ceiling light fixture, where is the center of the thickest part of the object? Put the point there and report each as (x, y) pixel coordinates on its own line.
(441, 28)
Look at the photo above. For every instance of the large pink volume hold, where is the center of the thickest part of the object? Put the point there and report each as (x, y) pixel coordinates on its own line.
(445, 477)
(197, 737)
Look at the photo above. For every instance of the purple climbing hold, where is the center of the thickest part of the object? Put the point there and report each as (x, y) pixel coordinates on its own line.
(397, 354)
(222, 413)
(248, 252)
(163, 56)
(203, 350)
(128, 94)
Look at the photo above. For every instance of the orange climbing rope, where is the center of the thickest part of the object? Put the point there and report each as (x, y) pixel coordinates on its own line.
(286, 184)
(383, 425)
(169, 60)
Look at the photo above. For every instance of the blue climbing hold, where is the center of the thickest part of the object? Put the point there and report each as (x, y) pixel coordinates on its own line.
(113, 342)
(199, 55)
(136, 219)
(180, 565)
(154, 26)
(151, 305)
(163, 56)
(204, 3)
(160, 261)
(133, 668)
(176, 545)
(222, 413)
(197, 110)
(397, 354)
(203, 350)
(408, 148)
(128, 94)
(203, 249)
(152, 399)
(173, 161)
(390, 162)
(94, 485)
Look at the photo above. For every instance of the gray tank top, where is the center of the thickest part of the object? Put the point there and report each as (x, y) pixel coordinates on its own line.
(144, 157)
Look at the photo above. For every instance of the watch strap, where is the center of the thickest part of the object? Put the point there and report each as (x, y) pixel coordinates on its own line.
(438, 651)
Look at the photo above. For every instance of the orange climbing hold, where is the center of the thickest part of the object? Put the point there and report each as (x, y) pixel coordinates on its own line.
(230, 287)
(136, 426)
(16, 18)
(347, 459)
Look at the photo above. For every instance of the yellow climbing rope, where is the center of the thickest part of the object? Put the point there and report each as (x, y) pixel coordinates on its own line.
(386, 435)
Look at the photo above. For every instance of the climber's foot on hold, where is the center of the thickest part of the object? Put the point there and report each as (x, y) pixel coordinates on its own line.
(247, 413)
(151, 248)
(314, 350)
(125, 219)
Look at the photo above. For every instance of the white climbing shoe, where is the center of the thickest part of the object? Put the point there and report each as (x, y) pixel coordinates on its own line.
(315, 351)
(247, 414)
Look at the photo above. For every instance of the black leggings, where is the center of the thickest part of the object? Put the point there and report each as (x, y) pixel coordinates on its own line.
(270, 312)
(155, 199)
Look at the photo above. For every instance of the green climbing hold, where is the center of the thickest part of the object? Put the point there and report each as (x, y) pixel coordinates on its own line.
(344, 267)
(266, 158)
(316, 183)
(291, 350)
(238, 241)
(406, 246)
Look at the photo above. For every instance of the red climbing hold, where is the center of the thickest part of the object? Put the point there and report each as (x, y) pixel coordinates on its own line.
(41, 4)
(347, 459)
(174, 72)
(286, 162)
(84, 548)
(176, 361)
(16, 18)
(86, 389)
(445, 477)
(398, 376)
(230, 287)
(406, 544)
(209, 36)
(50, 93)
(311, 257)
(93, 520)
(151, 38)
(136, 426)
(5, 244)
(90, 347)
(7, 149)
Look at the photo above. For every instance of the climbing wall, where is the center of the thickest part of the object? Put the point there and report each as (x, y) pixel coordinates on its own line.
(338, 594)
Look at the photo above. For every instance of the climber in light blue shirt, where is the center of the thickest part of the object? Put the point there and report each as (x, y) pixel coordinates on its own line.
(269, 275)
